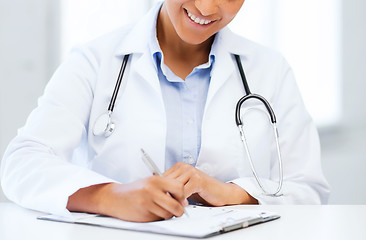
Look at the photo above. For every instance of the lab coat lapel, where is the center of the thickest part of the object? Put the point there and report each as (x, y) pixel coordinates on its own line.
(146, 68)
(144, 80)
(137, 43)
(222, 71)
(218, 124)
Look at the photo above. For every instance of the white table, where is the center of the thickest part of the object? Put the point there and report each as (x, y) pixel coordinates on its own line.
(296, 222)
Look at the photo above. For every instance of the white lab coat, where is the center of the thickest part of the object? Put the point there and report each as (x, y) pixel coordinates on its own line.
(55, 153)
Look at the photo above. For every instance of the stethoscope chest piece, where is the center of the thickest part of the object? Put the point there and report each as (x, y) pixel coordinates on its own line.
(103, 125)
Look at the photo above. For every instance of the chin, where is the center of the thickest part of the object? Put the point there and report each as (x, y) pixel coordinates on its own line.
(194, 40)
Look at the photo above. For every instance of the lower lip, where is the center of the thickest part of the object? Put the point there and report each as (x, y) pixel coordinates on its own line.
(197, 24)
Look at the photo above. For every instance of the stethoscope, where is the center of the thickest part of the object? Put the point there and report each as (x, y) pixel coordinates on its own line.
(272, 119)
(104, 126)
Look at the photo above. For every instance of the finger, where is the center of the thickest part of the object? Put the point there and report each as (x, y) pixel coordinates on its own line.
(192, 181)
(185, 202)
(176, 169)
(182, 174)
(170, 205)
(168, 194)
(171, 173)
(160, 212)
(184, 177)
(190, 188)
(174, 188)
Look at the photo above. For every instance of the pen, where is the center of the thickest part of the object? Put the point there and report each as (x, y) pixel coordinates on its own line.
(150, 163)
(152, 166)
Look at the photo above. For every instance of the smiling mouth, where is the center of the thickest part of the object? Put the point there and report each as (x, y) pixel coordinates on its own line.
(198, 20)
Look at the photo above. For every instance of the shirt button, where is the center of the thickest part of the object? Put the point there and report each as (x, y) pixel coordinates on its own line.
(190, 160)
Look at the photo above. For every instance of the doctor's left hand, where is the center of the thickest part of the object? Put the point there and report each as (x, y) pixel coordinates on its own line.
(202, 188)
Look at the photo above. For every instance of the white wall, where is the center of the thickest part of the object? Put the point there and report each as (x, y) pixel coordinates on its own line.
(310, 45)
(344, 149)
(83, 20)
(29, 33)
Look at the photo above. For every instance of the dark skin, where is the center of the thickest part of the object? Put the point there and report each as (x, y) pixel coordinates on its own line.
(179, 56)
(185, 45)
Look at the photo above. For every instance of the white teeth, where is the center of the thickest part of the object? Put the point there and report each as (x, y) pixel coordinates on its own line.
(197, 19)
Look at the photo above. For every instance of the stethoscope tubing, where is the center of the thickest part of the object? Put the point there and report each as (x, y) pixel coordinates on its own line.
(118, 84)
(260, 98)
(248, 95)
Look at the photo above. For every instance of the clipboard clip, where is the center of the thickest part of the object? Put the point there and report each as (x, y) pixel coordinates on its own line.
(231, 225)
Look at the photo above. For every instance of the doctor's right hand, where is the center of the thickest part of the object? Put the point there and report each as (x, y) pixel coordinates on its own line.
(149, 199)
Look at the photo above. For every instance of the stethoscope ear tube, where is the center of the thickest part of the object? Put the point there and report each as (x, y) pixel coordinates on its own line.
(252, 167)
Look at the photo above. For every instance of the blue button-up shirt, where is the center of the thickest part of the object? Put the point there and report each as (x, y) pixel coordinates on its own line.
(184, 104)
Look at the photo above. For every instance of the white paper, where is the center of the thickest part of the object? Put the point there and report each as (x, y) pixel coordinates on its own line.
(202, 221)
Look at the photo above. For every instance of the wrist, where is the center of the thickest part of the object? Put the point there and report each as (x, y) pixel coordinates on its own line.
(89, 199)
(105, 197)
(238, 195)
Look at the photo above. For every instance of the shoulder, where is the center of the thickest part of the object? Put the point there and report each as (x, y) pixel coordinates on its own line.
(111, 39)
(248, 50)
(266, 69)
(105, 45)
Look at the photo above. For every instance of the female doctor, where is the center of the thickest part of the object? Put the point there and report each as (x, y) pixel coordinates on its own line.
(177, 101)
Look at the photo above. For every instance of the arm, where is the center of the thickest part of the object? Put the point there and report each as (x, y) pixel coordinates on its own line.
(40, 171)
(141, 201)
(37, 170)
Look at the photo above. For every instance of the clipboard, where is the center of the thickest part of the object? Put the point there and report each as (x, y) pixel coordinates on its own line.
(202, 223)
